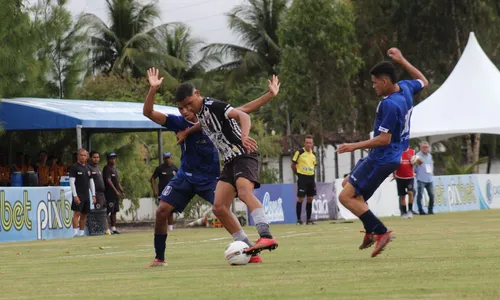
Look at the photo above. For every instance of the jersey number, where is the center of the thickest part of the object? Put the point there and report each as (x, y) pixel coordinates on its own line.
(407, 122)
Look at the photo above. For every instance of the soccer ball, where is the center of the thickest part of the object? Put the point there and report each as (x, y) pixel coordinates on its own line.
(234, 253)
(414, 160)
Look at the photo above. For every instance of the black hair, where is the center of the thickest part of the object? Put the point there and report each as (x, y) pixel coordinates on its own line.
(42, 151)
(309, 136)
(385, 68)
(183, 91)
(93, 152)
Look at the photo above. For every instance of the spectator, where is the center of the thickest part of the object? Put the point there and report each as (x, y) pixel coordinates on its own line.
(27, 166)
(424, 170)
(165, 172)
(42, 169)
(81, 181)
(113, 190)
(99, 184)
(60, 169)
(4, 171)
(405, 180)
(303, 164)
(52, 171)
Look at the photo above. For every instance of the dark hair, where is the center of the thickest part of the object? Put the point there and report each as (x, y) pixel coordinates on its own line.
(309, 136)
(183, 91)
(42, 151)
(385, 68)
(93, 152)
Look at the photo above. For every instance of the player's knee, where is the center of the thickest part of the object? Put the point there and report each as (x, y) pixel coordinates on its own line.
(344, 182)
(162, 212)
(218, 209)
(245, 194)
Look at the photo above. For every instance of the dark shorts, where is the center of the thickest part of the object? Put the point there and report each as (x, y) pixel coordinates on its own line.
(112, 203)
(101, 200)
(245, 166)
(83, 207)
(180, 191)
(405, 186)
(368, 175)
(306, 186)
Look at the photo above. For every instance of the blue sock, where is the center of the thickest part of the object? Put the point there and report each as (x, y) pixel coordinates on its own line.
(372, 224)
(160, 245)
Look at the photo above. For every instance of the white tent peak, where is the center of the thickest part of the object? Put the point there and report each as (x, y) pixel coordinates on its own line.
(467, 102)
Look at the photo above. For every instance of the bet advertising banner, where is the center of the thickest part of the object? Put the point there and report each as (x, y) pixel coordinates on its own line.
(35, 213)
(278, 201)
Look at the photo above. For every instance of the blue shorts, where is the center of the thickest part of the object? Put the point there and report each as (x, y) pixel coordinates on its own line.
(368, 175)
(179, 191)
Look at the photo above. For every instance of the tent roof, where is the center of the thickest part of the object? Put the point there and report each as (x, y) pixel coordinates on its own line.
(467, 102)
(54, 114)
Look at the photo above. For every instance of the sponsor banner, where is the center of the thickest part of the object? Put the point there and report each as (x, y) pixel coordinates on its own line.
(452, 193)
(488, 190)
(35, 213)
(324, 205)
(279, 202)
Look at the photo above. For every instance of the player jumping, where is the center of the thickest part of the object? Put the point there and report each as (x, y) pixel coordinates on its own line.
(391, 135)
(241, 163)
(199, 170)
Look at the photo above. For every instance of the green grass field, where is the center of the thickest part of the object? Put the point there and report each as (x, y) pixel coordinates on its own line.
(446, 256)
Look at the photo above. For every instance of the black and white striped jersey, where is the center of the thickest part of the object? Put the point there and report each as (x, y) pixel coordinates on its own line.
(224, 132)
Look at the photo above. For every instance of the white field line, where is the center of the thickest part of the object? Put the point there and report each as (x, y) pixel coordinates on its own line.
(173, 243)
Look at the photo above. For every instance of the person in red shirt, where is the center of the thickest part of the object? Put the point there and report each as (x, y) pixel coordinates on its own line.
(404, 176)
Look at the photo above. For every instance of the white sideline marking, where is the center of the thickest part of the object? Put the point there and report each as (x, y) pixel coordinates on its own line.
(173, 243)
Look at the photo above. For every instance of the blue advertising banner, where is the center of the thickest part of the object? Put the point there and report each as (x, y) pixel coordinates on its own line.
(35, 213)
(454, 193)
(278, 201)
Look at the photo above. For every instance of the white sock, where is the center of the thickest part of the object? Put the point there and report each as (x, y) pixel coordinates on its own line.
(113, 228)
(170, 227)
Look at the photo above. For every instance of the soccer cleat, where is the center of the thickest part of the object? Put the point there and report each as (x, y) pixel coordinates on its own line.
(262, 244)
(404, 216)
(382, 241)
(310, 223)
(409, 215)
(299, 222)
(115, 232)
(158, 263)
(368, 240)
(255, 259)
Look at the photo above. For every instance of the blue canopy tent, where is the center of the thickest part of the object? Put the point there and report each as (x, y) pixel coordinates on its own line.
(24, 114)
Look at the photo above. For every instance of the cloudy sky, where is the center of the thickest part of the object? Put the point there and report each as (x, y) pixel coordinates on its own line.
(206, 17)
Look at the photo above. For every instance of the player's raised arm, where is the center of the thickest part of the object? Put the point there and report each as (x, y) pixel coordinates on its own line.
(147, 109)
(245, 123)
(415, 73)
(273, 86)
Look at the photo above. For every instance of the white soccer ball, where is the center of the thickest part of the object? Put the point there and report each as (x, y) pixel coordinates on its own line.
(414, 160)
(234, 253)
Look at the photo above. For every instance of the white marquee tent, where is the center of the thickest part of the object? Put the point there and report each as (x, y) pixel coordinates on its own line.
(467, 102)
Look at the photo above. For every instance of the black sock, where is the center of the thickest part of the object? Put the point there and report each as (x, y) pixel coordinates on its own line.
(309, 207)
(403, 209)
(372, 224)
(160, 245)
(410, 206)
(298, 209)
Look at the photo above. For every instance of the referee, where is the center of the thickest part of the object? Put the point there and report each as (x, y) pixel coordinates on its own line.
(80, 180)
(303, 164)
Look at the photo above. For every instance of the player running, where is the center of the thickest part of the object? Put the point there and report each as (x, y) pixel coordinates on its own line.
(199, 170)
(241, 164)
(391, 134)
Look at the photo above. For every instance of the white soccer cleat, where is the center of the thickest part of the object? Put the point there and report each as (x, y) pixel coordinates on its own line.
(409, 215)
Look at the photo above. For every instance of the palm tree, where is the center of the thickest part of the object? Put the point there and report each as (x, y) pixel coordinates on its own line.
(256, 23)
(125, 45)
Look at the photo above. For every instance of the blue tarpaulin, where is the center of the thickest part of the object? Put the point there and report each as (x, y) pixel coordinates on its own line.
(56, 114)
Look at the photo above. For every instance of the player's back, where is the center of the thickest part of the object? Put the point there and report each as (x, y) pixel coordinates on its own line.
(409, 88)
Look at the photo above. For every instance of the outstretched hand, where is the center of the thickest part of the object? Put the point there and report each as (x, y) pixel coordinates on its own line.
(274, 85)
(348, 147)
(395, 54)
(154, 81)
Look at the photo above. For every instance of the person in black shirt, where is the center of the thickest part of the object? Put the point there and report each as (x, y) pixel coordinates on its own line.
(113, 189)
(100, 188)
(241, 162)
(80, 180)
(165, 172)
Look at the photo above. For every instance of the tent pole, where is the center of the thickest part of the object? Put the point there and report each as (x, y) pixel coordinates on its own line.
(9, 137)
(160, 147)
(89, 141)
(79, 137)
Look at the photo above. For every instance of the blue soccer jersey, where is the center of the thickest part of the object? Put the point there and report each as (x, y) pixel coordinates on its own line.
(200, 159)
(409, 88)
